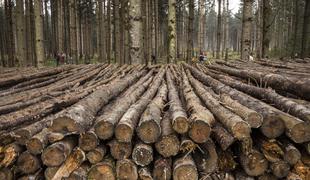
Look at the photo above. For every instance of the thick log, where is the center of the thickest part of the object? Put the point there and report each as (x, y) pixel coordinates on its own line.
(168, 143)
(57, 153)
(28, 163)
(142, 154)
(201, 120)
(104, 124)
(185, 168)
(179, 117)
(254, 164)
(120, 150)
(79, 117)
(80, 173)
(280, 168)
(254, 119)
(74, 161)
(291, 154)
(126, 170)
(9, 154)
(162, 168)
(206, 157)
(222, 136)
(104, 170)
(6, 174)
(293, 85)
(88, 140)
(145, 174)
(272, 127)
(38, 142)
(124, 130)
(239, 128)
(149, 129)
(97, 154)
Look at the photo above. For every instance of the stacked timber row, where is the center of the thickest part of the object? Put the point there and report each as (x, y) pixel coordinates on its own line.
(228, 120)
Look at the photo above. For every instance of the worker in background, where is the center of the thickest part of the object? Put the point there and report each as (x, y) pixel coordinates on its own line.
(201, 57)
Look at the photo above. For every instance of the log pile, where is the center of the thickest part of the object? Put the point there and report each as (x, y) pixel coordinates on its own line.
(226, 120)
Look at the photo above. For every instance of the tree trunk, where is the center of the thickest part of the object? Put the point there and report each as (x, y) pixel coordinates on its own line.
(190, 33)
(305, 52)
(40, 53)
(266, 27)
(219, 30)
(172, 31)
(20, 28)
(246, 29)
(136, 31)
(73, 31)
(117, 40)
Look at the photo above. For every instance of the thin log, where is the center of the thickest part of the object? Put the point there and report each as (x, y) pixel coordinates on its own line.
(168, 143)
(50, 172)
(142, 154)
(88, 140)
(222, 136)
(280, 168)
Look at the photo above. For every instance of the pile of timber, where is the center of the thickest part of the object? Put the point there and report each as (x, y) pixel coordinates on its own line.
(226, 120)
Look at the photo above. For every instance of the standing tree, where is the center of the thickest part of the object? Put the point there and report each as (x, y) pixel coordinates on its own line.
(20, 28)
(73, 31)
(38, 13)
(306, 31)
(190, 32)
(246, 29)
(135, 18)
(172, 31)
(219, 30)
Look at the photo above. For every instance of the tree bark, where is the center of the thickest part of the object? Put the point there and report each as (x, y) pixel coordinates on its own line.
(40, 53)
(172, 31)
(306, 31)
(246, 29)
(219, 30)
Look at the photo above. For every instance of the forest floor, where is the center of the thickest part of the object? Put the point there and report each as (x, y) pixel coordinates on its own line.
(221, 120)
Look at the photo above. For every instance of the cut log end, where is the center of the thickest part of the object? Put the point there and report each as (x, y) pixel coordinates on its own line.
(6, 174)
(292, 155)
(126, 169)
(101, 171)
(64, 124)
(123, 133)
(35, 146)
(148, 132)
(185, 172)
(241, 130)
(28, 163)
(88, 141)
(168, 146)
(180, 125)
(120, 150)
(272, 127)
(280, 169)
(254, 164)
(300, 133)
(53, 156)
(104, 130)
(199, 131)
(254, 119)
(96, 155)
(142, 154)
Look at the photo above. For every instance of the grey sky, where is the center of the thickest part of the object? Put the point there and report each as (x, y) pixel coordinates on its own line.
(233, 5)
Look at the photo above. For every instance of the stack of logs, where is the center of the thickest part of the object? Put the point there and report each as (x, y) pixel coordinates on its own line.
(226, 120)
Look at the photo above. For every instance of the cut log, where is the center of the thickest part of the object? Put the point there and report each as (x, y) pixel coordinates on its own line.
(302, 170)
(162, 168)
(38, 142)
(226, 161)
(74, 161)
(291, 154)
(28, 163)
(126, 170)
(6, 174)
(293, 176)
(185, 168)
(149, 129)
(88, 140)
(35, 176)
(97, 154)
(79, 117)
(222, 136)
(120, 150)
(124, 130)
(57, 153)
(267, 176)
(206, 157)
(168, 143)
(50, 172)
(240, 175)
(254, 164)
(254, 119)
(201, 120)
(179, 117)
(9, 154)
(280, 168)
(239, 128)
(145, 174)
(103, 171)
(142, 154)
(104, 124)
(272, 127)
(80, 173)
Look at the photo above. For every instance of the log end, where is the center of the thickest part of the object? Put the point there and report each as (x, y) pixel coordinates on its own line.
(199, 131)
(22, 136)
(88, 141)
(168, 146)
(35, 146)
(104, 130)
(142, 155)
(64, 124)
(28, 163)
(101, 171)
(255, 119)
(120, 150)
(126, 169)
(180, 125)
(6, 174)
(95, 156)
(280, 169)
(272, 127)
(300, 133)
(53, 156)
(254, 164)
(292, 156)
(123, 133)
(241, 130)
(148, 132)
(185, 172)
